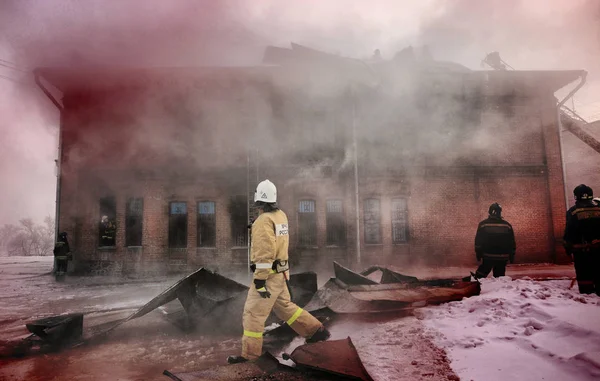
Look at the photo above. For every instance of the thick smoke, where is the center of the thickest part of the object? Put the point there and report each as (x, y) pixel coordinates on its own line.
(528, 34)
(27, 153)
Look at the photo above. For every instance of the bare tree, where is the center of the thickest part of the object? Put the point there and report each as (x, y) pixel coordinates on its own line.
(7, 233)
(28, 238)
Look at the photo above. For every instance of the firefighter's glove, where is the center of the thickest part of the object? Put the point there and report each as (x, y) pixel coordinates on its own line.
(253, 267)
(261, 287)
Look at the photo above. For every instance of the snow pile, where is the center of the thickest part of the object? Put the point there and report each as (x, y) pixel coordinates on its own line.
(390, 347)
(520, 330)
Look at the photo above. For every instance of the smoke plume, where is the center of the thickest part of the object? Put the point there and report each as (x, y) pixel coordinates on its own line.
(528, 34)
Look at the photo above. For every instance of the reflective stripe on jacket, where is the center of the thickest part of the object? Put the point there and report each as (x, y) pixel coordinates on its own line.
(582, 230)
(495, 236)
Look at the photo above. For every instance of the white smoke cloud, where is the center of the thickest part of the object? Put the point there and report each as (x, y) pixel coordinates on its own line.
(534, 34)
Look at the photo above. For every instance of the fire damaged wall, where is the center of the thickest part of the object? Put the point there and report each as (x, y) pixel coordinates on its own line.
(172, 158)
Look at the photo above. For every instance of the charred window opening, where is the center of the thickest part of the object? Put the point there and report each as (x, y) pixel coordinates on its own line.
(503, 105)
(399, 220)
(178, 225)
(238, 210)
(134, 217)
(473, 108)
(372, 210)
(336, 227)
(207, 224)
(107, 227)
(506, 105)
(307, 223)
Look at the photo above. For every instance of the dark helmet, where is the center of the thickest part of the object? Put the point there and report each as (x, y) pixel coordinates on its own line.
(495, 210)
(63, 235)
(583, 192)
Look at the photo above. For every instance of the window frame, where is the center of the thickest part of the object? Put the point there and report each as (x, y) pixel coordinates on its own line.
(171, 238)
(379, 235)
(128, 225)
(312, 228)
(199, 225)
(232, 224)
(112, 216)
(330, 224)
(393, 221)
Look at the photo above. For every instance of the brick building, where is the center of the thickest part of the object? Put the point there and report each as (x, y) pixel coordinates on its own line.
(172, 157)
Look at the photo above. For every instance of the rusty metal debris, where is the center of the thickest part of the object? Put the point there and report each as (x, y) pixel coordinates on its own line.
(208, 299)
(351, 292)
(204, 295)
(58, 330)
(337, 357)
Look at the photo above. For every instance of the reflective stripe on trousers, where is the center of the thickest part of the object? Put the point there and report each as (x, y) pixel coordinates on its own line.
(253, 334)
(257, 310)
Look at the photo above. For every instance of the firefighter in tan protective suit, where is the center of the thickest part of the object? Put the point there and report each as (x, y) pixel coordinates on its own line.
(269, 257)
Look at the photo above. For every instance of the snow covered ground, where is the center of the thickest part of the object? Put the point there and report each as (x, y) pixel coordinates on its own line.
(520, 330)
(516, 329)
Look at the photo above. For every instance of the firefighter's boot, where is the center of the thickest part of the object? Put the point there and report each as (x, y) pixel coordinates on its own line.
(321, 335)
(236, 359)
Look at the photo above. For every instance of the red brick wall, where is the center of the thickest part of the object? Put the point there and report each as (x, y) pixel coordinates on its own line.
(516, 162)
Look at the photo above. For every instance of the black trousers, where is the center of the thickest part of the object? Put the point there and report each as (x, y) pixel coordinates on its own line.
(587, 270)
(61, 265)
(499, 267)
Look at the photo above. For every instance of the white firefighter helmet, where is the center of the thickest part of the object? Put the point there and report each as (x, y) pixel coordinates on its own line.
(266, 192)
(596, 200)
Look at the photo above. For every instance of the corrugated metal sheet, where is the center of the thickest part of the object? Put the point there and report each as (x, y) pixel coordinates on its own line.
(338, 357)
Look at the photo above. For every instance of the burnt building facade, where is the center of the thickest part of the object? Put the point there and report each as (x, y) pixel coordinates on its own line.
(391, 162)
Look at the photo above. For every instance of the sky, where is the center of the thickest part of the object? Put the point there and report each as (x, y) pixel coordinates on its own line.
(529, 34)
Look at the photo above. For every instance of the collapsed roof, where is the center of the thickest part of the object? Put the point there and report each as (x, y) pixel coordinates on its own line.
(297, 62)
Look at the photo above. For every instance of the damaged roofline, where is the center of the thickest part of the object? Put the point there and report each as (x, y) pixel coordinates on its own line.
(38, 82)
(583, 78)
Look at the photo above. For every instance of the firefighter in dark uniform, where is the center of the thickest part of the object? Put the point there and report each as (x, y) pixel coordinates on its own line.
(108, 232)
(494, 243)
(62, 252)
(582, 239)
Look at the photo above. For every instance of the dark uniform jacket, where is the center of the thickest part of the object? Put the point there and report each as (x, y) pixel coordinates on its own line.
(582, 231)
(108, 233)
(495, 240)
(62, 250)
